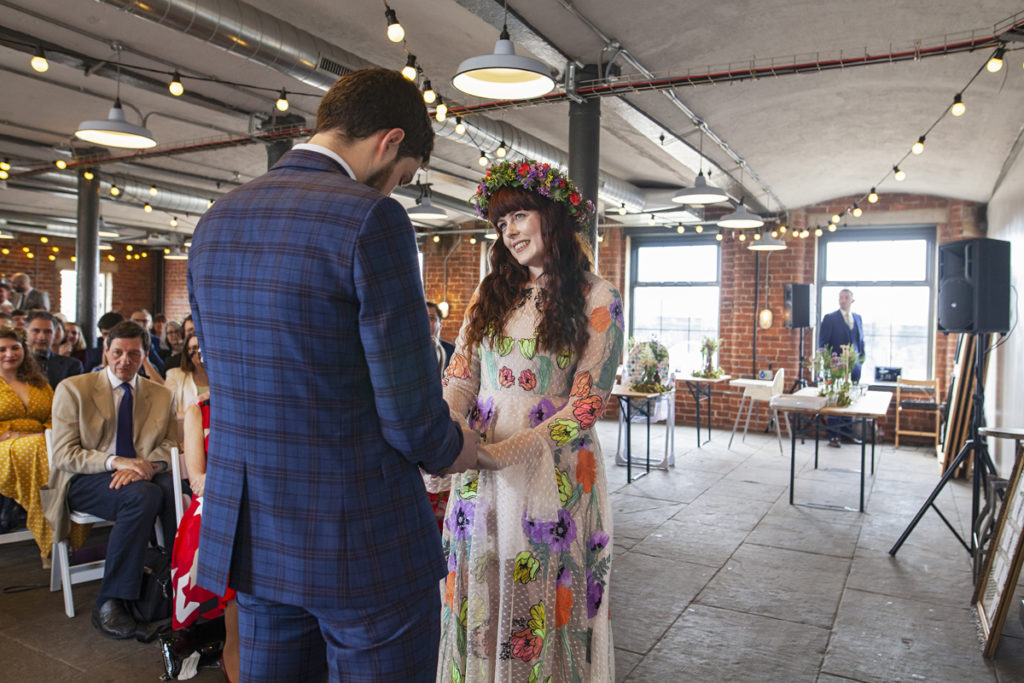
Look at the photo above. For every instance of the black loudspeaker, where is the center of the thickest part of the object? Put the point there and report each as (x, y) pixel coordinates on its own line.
(796, 306)
(974, 286)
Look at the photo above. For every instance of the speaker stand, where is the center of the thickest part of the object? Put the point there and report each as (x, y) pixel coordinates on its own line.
(800, 382)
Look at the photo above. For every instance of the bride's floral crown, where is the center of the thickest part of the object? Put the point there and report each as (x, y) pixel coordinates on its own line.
(533, 176)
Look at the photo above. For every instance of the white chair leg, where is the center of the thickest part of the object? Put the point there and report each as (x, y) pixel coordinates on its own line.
(778, 430)
(747, 424)
(65, 577)
(736, 422)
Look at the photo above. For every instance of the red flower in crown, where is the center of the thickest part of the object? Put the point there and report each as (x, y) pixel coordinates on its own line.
(575, 198)
(524, 169)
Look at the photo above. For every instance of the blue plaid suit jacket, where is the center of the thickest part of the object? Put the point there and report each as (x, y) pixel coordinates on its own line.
(306, 296)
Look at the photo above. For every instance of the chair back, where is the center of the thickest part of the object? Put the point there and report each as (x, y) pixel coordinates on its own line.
(779, 382)
(178, 472)
(926, 396)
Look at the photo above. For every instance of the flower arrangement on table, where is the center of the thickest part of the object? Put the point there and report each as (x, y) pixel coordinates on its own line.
(649, 361)
(835, 372)
(708, 347)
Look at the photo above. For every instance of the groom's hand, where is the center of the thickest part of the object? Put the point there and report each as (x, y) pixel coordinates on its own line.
(467, 456)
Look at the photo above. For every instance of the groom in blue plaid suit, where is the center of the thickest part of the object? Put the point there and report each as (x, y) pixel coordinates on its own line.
(307, 301)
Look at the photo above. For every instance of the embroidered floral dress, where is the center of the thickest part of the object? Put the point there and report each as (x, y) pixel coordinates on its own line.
(529, 546)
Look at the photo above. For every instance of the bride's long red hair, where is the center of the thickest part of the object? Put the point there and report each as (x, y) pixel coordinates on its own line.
(563, 323)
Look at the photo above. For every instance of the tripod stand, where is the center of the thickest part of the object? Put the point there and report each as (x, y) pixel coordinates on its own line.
(800, 382)
(983, 467)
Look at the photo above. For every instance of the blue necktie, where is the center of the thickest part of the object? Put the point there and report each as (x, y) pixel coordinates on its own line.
(125, 446)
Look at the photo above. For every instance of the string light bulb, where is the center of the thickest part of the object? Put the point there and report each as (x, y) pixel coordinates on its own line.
(718, 237)
(437, 238)
(38, 61)
(857, 211)
(757, 236)
(836, 217)
(483, 159)
(650, 220)
(209, 204)
(872, 196)
(153, 191)
(148, 208)
(743, 237)
(4, 175)
(396, 33)
(428, 92)
(175, 87)
(622, 209)
(282, 101)
(129, 247)
(472, 240)
(409, 70)
(88, 175)
(61, 164)
(774, 234)
(441, 111)
(832, 227)
(958, 107)
(460, 127)
(44, 239)
(995, 62)
(5, 165)
(115, 190)
(782, 229)
(173, 222)
(918, 147)
(501, 151)
(680, 229)
(898, 174)
(699, 229)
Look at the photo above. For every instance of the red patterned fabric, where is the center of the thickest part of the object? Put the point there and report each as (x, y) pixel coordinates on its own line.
(439, 501)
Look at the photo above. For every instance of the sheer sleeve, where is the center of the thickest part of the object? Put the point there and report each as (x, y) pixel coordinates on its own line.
(592, 382)
(462, 376)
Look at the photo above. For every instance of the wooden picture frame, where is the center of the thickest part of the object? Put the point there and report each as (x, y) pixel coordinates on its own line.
(1002, 570)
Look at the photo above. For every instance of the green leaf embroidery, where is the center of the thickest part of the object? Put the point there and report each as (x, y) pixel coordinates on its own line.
(564, 358)
(535, 673)
(456, 674)
(460, 637)
(528, 347)
(505, 345)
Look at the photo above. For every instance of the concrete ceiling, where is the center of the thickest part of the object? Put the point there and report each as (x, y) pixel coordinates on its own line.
(808, 137)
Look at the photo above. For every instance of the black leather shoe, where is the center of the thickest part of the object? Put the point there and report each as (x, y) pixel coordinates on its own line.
(113, 620)
(834, 443)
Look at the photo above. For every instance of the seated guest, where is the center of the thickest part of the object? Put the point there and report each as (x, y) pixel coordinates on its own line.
(153, 366)
(194, 602)
(5, 319)
(94, 356)
(172, 342)
(187, 328)
(42, 327)
(159, 320)
(74, 342)
(112, 439)
(5, 298)
(188, 381)
(25, 400)
(18, 318)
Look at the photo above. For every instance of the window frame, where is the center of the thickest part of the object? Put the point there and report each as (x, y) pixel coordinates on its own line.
(887, 233)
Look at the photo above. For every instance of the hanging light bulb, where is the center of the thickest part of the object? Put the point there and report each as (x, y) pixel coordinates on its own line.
(718, 237)
(175, 87)
(483, 159)
(832, 227)
(650, 220)
(38, 61)
(5, 165)
(622, 209)
(472, 240)
(783, 229)
(148, 208)
(4, 175)
(699, 229)
(115, 190)
(898, 174)
(918, 147)
(61, 164)
(396, 33)
(409, 70)
(818, 232)
(129, 247)
(437, 238)
(282, 101)
(805, 233)
(958, 107)
(742, 237)
(152, 190)
(680, 229)
(757, 236)
(209, 204)
(460, 127)
(173, 222)
(774, 234)
(441, 112)
(872, 196)
(428, 92)
(835, 217)
(501, 151)
(88, 175)
(995, 62)
(44, 239)
(857, 211)
(600, 237)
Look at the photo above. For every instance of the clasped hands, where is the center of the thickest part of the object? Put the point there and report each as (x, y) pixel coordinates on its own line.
(127, 470)
(473, 455)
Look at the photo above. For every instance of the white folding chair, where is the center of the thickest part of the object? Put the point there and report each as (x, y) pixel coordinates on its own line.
(179, 472)
(760, 390)
(63, 574)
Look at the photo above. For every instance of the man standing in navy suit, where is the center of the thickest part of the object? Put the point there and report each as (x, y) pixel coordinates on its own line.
(314, 508)
(838, 329)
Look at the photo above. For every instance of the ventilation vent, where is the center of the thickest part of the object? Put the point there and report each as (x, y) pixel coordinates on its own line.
(332, 66)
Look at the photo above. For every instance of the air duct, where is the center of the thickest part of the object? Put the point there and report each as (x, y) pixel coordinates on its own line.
(174, 199)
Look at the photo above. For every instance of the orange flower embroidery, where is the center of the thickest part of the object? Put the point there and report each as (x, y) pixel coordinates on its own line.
(459, 367)
(586, 410)
(527, 380)
(600, 319)
(581, 385)
(586, 469)
(449, 590)
(563, 606)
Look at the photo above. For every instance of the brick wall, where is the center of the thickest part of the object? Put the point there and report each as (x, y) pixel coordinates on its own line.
(175, 290)
(955, 219)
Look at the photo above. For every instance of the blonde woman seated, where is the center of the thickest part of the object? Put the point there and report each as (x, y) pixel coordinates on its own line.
(25, 402)
(189, 381)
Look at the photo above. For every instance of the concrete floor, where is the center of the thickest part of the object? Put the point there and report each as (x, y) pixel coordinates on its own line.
(716, 578)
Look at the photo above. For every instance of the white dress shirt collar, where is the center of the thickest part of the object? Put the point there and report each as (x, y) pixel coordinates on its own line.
(116, 382)
(320, 149)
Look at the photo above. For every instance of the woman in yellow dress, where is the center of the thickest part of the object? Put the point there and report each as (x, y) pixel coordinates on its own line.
(25, 401)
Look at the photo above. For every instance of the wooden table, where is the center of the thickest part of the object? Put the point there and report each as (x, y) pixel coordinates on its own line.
(700, 389)
(626, 397)
(866, 409)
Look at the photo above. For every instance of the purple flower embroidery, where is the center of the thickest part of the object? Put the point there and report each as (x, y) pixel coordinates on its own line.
(598, 540)
(541, 412)
(460, 521)
(595, 593)
(564, 578)
(615, 308)
(481, 414)
(452, 564)
(560, 535)
(534, 530)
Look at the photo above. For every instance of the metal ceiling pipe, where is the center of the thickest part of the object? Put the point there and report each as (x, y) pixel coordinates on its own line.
(250, 33)
(173, 199)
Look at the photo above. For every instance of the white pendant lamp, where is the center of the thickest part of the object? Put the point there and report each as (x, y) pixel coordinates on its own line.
(503, 75)
(424, 209)
(740, 219)
(115, 131)
(767, 243)
(700, 193)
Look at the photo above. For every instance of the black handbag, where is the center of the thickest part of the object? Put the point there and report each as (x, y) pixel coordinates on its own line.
(152, 609)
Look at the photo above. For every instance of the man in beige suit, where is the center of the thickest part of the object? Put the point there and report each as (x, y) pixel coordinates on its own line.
(112, 439)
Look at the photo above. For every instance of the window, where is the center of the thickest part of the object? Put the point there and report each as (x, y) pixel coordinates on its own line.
(69, 294)
(891, 274)
(674, 295)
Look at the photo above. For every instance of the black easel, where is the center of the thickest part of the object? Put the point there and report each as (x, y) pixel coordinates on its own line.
(983, 466)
